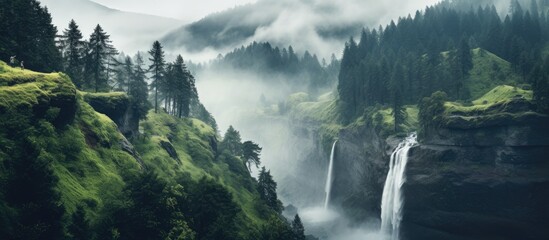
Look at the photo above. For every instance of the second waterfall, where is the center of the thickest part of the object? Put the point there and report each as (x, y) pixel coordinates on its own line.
(393, 200)
(329, 178)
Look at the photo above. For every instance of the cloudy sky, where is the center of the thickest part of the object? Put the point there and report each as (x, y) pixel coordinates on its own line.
(186, 10)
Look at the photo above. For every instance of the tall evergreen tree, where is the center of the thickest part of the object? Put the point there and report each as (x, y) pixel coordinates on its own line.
(73, 51)
(250, 153)
(298, 229)
(157, 67)
(99, 60)
(464, 62)
(232, 142)
(266, 187)
(138, 89)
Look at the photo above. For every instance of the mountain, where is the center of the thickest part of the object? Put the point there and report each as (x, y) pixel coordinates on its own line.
(130, 32)
(322, 27)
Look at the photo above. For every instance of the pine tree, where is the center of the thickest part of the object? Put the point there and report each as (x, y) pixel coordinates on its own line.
(73, 50)
(138, 89)
(250, 153)
(298, 229)
(463, 64)
(157, 68)
(99, 60)
(266, 187)
(232, 142)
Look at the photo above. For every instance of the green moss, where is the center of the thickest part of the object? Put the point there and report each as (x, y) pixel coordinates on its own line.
(500, 95)
(24, 88)
(503, 104)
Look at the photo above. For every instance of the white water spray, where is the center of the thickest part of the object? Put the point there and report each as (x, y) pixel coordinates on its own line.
(392, 200)
(329, 179)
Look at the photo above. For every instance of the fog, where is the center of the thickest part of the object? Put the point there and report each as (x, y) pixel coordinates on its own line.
(129, 32)
(300, 23)
(290, 152)
(233, 96)
(186, 10)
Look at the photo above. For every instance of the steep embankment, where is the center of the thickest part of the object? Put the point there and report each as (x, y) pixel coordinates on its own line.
(483, 173)
(84, 147)
(93, 160)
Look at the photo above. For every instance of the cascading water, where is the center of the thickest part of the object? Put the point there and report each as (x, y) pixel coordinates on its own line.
(392, 200)
(329, 179)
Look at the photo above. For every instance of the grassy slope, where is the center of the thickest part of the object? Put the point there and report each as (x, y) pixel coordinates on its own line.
(87, 155)
(322, 112)
(488, 72)
(191, 139)
(499, 95)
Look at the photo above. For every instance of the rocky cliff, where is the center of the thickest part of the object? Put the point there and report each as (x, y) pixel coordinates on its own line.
(467, 181)
(482, 174)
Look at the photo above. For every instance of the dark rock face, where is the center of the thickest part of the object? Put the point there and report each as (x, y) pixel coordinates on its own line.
(463, 181)
(170, 150)
(360, 169)
(479, 183)
(117, 107)
(128, 147)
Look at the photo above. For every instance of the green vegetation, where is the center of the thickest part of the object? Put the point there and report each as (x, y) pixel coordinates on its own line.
(324, 113)
(497, 96)
(488, 72)
(101, 187)
(416, 56)
(503, 104)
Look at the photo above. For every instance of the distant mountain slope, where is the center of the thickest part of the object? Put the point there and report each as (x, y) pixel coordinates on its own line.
(129, 31)
(317, 25)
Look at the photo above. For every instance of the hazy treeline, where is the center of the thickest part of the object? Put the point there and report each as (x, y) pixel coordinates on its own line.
(302, 72)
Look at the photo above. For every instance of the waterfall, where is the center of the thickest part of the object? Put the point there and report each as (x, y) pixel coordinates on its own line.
(329, 178)
(392, 200)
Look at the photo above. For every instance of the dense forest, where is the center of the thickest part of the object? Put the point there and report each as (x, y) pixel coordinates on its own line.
(431, 51)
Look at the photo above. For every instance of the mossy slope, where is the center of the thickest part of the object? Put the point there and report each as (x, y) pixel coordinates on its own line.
(83, 145)
(195, 143)
(86, 151)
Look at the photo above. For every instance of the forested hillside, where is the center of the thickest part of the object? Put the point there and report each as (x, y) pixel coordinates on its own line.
(415, 56)
(81, 161)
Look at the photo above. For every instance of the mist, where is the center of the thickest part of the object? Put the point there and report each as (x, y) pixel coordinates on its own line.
(314, 24)
(129, 32)
(290, 152)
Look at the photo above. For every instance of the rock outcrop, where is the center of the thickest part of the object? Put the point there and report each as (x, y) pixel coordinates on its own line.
(116, 106)
(489, 182)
